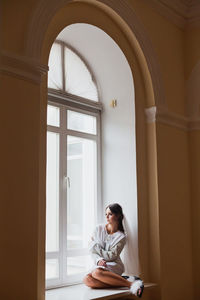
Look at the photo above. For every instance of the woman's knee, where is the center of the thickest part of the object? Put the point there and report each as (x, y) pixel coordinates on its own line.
(88, 280)
(97, 273)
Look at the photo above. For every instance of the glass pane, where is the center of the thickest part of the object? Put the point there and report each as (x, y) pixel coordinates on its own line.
(52, 192)
(81, 122)
(81, 191)
(53, 115)
(78, 80)
(52, 268)
(55, 68)
(78, 264)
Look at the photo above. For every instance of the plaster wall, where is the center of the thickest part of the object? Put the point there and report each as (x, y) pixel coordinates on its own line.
(168, 42)
(13, 37)
(174, 212)
(194, 142)
(192, 45)
(20, 121)
(192, 61)
(178, 169)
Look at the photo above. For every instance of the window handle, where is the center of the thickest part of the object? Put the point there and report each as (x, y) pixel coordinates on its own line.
(68, 182)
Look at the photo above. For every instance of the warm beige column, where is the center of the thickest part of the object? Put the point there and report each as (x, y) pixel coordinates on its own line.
(23, 129)
(153, 204)
(194, 147)
(192, 74)
(174, 211)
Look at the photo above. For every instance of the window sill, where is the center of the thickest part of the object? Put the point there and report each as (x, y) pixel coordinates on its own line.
(82, 292)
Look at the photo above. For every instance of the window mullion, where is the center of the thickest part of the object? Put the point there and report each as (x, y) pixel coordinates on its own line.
(63, 196)
(63, 65)
(99, 205)
(53, 129)
(81, 134)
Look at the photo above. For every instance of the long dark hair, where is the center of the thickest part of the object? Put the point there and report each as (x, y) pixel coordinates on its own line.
(116, 209)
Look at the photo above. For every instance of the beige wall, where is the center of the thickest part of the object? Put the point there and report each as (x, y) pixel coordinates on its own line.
(194, 141)
(20, 122)
(192, 61)
(174, 212)
(168, 165)
(167, 41)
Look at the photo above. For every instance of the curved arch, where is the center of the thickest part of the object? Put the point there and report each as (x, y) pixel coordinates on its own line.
(118, 11)
(119, 21)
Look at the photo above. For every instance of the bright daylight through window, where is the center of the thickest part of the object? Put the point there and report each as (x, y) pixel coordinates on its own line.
(72, 164)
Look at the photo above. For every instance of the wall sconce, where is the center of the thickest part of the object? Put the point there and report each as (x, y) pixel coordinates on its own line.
(113, 103)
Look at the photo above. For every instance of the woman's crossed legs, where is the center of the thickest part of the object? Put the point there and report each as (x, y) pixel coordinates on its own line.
(101, 278)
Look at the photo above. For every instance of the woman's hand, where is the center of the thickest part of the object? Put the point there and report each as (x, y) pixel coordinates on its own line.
(102, 262)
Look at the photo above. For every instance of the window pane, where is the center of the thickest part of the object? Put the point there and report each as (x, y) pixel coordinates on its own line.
(78, 80)
(52, 192)
(52, 268)
(81, 122)
(55, 68)
(81, 191)
(78, 264)
(53, 115)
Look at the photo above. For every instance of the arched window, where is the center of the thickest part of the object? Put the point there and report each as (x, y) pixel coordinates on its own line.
(69, 73)
(73, 151)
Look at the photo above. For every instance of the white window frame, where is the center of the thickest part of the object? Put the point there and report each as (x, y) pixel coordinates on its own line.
(63, 83)
(70, 102)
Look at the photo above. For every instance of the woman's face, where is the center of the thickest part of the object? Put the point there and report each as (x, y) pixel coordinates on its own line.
(110, 217)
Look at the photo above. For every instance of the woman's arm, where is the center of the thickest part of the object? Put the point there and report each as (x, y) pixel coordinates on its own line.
(111, 254)
(96, 258)
(95, 241)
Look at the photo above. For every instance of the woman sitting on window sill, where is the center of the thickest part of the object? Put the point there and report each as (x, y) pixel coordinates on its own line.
(107, 243)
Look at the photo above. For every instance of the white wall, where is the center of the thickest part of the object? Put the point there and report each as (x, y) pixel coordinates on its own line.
(114, 80)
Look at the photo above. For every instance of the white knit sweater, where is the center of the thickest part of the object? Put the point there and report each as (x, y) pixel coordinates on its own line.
(108, 247)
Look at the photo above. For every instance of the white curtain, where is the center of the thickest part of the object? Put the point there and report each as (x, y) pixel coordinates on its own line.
(130, 253)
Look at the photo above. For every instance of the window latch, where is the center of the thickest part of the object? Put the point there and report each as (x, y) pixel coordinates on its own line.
(68, 181)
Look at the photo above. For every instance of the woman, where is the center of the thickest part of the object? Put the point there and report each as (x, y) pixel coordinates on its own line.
(107, 243)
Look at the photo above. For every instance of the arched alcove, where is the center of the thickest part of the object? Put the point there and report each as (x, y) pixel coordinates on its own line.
(118, 12)
(107, 17)
(117, 150)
